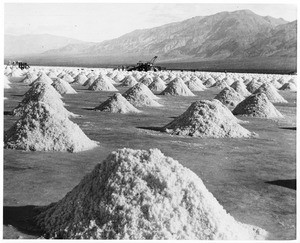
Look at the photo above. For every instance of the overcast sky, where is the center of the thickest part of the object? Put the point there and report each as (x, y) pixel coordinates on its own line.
(102, 21)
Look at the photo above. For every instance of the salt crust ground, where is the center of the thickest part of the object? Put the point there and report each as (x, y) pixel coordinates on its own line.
(138, 195)
(117, 104)
(207, 118)
(229, 97)
(41, 128)
(177, 87)
(257, 105)
(271, 92)
(139, 95)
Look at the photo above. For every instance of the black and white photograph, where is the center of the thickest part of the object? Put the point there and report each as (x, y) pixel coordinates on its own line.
(149, 120)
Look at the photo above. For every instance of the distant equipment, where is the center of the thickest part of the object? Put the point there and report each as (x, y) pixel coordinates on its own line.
(20, 64)
(146, 66)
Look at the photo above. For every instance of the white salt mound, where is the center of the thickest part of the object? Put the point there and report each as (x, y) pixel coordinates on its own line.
(30, 78)
(90, 81)
(253, 85)
(271, 92)
(42, 129)
(128, 81)
(142, 195)
(157, 86)
(207, 118)
(102, 84)
(6, 83)
(63, 87)
(229, 97)
(117, 104)
(43, 78)
(257, 105)
(289, 86)
(139, 95)
(177, 87)
(240, 87)
(80, 79)
(195, 85)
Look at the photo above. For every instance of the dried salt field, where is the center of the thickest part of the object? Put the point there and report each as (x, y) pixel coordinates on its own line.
(110, 154)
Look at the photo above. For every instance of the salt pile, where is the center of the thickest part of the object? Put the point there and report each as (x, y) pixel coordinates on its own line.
(16, 75)
(147, 80)
(206, 118)
(139, 195)
(30, 78)
(102, 84)
(157, 86)
(209, 82)
(63, 87)
(43, 78)
(288, 86)
(117, 104)
(80, 79)
(253, 85)
(42, 92)
(6, 83)
(140, 95)
(90, 81)
(240, 87)
(128, 81)
(177, 87)
(67, 77)
(257, 105)
(195, 85)
(220, 84)
(229, 97)
(43, 129)
(271, 92)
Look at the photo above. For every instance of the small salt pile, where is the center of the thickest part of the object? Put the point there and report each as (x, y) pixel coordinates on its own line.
(90, 81)
(271, 92)
(229, 97)
(289, 86)
(139, 95)
(147, 80)
(42, 128)
(257, 105)
(117, 104)
(80, 79)
(206, 118)
(52, 75)
(16, 75)
(43, 78)
(177, 87)
(209, 82)
(157, 86)
(253, 85)
(102, 84)
(63, 87)
(195, 84)
(30, 78)
(6, 83)
(67, 77)
(128, 81)
(142, 195)
(240, 87)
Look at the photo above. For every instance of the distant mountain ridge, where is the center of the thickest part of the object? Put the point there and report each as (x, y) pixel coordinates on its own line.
(34, 44)
(226, 35)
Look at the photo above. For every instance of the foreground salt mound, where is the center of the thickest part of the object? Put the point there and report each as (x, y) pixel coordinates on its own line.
(117, 104)
(41, 128)
(63, 87)
(257, 105)
(139, 95)
(139, 195)
(271, 92)
(229, 97)
(177, 87)
(207, 118)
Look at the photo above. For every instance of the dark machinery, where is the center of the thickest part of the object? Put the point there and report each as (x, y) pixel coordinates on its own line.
(147, 66)
(20, 64)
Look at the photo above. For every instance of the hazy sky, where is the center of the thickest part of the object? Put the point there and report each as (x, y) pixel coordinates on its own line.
(102, 21)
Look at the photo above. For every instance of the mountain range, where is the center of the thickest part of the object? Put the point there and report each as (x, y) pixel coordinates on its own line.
(238, 35)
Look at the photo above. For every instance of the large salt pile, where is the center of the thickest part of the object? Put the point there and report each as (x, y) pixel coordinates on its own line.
(229, 97)
(142, 195)
(117, 104)
(43, 78)
(177, 87)
(240, 87)
(63, 87)
(140, 95)
(42, 92)
(271, 92)
(206, 118)
(42, 128)
(289, 86)
(257, 105)
(102, 84)
(157, 86)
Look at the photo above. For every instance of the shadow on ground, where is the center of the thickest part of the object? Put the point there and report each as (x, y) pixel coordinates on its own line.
(289, 128)
(157, 129)
(291, 184)
(22, 218)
